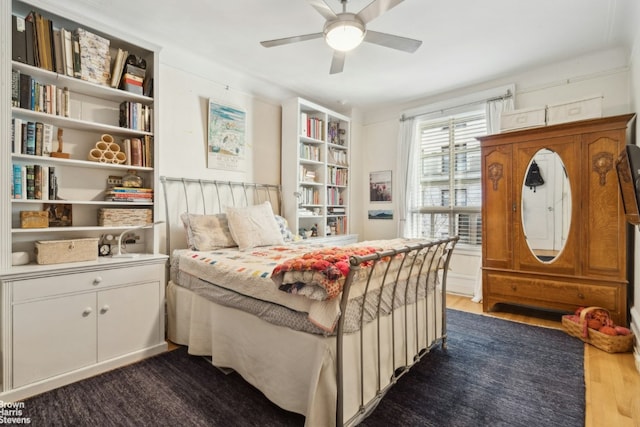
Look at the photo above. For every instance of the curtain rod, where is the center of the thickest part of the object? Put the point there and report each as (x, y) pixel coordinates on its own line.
(442, 110)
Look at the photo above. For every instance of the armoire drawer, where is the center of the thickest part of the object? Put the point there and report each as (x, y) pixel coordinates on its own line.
(553, 291)
(24, 290)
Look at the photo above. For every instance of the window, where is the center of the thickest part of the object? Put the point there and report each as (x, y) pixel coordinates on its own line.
(449, 198)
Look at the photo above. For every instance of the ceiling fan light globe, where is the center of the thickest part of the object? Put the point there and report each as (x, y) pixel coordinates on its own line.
(344, 35)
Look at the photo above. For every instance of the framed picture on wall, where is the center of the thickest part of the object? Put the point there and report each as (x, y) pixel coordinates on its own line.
(226, 145)
(380, 214)
(380, 186)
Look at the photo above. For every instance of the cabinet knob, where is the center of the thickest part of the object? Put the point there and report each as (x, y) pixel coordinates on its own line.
(97, 280)
(104, 308)
(514, 288)
(87, 311)
(581, 296)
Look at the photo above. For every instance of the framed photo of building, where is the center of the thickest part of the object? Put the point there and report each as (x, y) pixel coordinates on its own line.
(226, 145)
(380, 186)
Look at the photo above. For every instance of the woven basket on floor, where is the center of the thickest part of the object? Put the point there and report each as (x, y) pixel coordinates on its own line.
(608, 343)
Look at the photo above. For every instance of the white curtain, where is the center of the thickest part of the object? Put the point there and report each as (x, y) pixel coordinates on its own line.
(405, 171)
(494, 109)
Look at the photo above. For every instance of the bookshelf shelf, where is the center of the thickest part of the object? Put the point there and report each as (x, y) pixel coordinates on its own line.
(80, 86)
(76, 124)
(315, 155)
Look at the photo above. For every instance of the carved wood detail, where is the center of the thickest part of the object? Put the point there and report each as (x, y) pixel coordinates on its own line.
(495, 174)
(602, 165)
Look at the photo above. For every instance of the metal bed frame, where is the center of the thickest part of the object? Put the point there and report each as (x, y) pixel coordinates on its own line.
(419, 262)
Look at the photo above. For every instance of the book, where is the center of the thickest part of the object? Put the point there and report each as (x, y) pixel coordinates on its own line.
(148, 151)
(44, 183)
(37, 182)
(24, 138)
(66, 102)
(15, 88)
(31, 184)
(31, 138)
(127, 150)
(30, 41)
(118, 66)
(58, 53)
(47, 139)
(132, 78)
(18, 39)
(136, 152)
(67, 47)
(17, 135)
(25, 91)
(53, 185)
(121, 189)
(39, 132)
(17, 181)
(76, 56)
(95, 59)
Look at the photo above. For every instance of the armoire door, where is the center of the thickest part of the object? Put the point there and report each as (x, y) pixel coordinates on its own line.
(604, 237)
(497, 207)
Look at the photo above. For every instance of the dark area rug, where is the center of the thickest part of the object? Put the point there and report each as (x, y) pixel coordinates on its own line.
(494, 373)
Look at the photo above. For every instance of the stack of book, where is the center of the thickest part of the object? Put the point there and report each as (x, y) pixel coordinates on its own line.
(132, 79)
(129, 194)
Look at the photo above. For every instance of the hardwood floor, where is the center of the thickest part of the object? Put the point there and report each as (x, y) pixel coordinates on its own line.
(612, 380)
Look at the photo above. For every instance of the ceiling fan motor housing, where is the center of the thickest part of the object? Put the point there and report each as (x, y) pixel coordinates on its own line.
(345, 32)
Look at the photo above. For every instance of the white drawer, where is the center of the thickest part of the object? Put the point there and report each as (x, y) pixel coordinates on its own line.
(84, 281)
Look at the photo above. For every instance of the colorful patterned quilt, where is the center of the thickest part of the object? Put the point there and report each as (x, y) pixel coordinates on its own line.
(320, 274)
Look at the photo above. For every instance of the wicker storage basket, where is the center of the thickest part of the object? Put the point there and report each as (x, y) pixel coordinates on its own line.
(608, 343)
(58, 251)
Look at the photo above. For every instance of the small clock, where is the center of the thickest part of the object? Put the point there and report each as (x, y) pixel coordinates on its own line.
(104, 249)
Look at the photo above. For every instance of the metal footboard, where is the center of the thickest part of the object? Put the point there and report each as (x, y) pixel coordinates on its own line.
(422, 264)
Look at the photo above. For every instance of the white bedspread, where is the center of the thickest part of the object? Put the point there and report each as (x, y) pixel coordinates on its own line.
(250, 273)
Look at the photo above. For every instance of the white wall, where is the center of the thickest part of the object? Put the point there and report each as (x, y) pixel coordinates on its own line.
(184, 98)
(604, 73)
(635, 102)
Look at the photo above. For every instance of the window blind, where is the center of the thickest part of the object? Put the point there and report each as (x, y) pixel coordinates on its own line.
(448, 200)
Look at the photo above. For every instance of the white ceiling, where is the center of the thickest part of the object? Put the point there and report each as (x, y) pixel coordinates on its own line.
(464, 41)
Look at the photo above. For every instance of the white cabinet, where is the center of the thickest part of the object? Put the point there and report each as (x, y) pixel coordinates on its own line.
(96, 319)
(315, 168)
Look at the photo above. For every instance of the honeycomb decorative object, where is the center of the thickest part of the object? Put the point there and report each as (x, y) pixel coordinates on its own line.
(107, 151)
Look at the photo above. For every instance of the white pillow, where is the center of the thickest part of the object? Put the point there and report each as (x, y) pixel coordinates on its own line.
(254, 226)
(207, 232)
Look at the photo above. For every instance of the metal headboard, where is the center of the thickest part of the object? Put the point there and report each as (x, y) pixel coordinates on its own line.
(210, 197)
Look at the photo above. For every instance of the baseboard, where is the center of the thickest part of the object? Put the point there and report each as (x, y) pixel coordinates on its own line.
(635, 327)
(33, 389)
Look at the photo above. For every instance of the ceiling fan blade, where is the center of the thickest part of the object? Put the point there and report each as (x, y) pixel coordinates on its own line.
(337, 63)
(324, 9)
(394, 42)
(376, 8)
(288, 40)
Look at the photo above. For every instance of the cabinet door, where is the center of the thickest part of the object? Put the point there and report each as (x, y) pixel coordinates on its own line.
(497, 206)
(129, 319)
(53, 336)
(604, 228)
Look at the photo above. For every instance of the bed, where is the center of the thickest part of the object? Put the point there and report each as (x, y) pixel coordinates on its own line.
(320, 330)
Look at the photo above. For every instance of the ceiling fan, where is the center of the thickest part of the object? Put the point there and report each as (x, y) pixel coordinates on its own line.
(344, 31)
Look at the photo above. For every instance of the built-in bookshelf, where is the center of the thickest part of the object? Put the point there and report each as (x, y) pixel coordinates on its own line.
(315, 169)
(77, 123)
(68, 132)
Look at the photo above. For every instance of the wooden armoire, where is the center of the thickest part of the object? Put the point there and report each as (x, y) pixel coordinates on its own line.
(589, 266)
